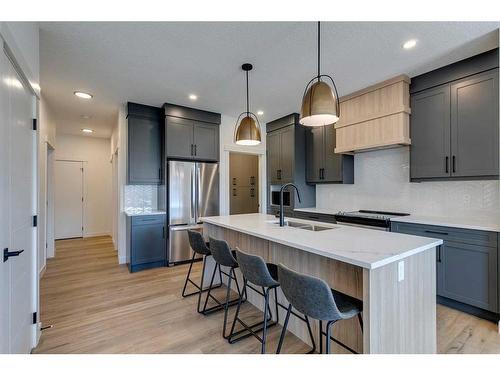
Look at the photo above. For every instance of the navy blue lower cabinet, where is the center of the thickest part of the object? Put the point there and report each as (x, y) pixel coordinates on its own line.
(146, 242)
(467, 266)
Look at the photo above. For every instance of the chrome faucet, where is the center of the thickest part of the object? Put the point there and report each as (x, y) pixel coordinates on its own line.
(282, 214)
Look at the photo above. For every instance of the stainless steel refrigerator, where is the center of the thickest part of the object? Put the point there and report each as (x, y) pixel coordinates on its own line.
(193, 192)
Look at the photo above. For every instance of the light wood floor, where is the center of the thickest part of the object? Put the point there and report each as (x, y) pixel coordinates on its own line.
(97, 306)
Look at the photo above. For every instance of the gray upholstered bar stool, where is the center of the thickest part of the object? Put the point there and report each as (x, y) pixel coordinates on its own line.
(314, 298)
(223, 257)
(199, 247)
(262, 275)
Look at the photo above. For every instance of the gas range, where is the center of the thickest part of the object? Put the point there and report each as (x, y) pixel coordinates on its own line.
(367, 218)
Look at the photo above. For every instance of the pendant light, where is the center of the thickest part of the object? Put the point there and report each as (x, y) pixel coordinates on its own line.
(320, 104)
(247, 131)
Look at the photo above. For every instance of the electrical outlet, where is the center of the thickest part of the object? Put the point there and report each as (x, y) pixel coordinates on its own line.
(401, 271)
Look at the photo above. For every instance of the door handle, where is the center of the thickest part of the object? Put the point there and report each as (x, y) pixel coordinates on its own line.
(447, 163)
(439, 253)
(234, 192)
(252, 192)
(194, 150)
(7, 254)
(454, 164)
(234, 180)
(163, 232)
(319, 172)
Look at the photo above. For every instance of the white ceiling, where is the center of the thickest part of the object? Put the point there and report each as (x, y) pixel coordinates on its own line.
(154, 63)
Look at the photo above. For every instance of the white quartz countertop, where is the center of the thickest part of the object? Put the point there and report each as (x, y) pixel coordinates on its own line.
(487, 224)
(143, 212)
(492, 225)
(365, 248)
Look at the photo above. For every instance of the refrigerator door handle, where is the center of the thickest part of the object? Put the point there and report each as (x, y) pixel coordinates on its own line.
(193, 196)
(198, 187)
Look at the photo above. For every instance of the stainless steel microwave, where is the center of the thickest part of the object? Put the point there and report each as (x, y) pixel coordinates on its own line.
(275, 197)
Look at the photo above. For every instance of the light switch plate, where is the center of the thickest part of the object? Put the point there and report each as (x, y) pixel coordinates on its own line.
(401, 270)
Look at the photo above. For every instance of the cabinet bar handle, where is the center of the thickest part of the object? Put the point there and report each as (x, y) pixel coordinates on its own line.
(454, 164)
(194, 150)
(439, 253)
(436, 232)
(447, 163)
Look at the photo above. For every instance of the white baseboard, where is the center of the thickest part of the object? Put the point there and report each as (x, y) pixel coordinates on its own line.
(97, 234)
(122, 260)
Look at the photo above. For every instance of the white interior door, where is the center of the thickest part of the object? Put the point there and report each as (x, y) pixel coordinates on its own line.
(68, 199)
(17, 203)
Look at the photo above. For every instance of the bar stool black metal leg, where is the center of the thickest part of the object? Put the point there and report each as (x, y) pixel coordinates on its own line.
(360, 318)
(226, 304)
(283, 331)
(264, 330)
(311, 336)
(320, 337)
(188, 278)
(276, 304)
(328, 335)
(208, 290)
(240, 301)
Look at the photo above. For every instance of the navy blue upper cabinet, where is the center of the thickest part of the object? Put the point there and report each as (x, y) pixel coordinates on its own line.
(145, 140)
(191, 133)
(454, 121)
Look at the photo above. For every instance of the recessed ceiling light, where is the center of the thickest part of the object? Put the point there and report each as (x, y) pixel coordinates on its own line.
(193, 97)
(85, 117)
(83, 95)
(409, 44)
(260, 113)
(87, 131)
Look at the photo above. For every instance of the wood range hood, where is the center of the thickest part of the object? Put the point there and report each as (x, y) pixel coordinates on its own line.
(374, 118)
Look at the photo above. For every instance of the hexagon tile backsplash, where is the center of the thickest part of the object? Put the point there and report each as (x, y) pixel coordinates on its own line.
(140, 197)
(381, 182)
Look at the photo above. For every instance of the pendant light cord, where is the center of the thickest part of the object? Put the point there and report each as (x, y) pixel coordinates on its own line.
(247, 94)
(319, 50)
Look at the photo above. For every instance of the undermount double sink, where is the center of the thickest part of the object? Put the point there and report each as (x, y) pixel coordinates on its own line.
(305, 226)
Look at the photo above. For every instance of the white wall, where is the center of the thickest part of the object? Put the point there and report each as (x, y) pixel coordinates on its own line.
(23, 40)
(121, 141)
(46, 139)
(97, 209)
(226, 145)
(382, 183)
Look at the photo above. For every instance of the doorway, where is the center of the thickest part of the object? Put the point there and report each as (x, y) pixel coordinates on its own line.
(243, 183)
(68, 202)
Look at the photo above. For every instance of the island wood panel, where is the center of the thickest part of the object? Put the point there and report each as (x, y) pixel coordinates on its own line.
(400, 316)
(339, 275)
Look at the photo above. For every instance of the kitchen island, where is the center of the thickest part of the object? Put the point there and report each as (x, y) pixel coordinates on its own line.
(393, 274)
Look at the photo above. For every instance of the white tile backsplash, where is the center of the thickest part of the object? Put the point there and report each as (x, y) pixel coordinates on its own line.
(381, 182)
(140, 197)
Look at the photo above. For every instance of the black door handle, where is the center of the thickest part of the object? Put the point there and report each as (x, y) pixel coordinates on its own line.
(439, 254)
(7, 254)
(319, 173)
(454, 164)
(447, 163)
(194, 150)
